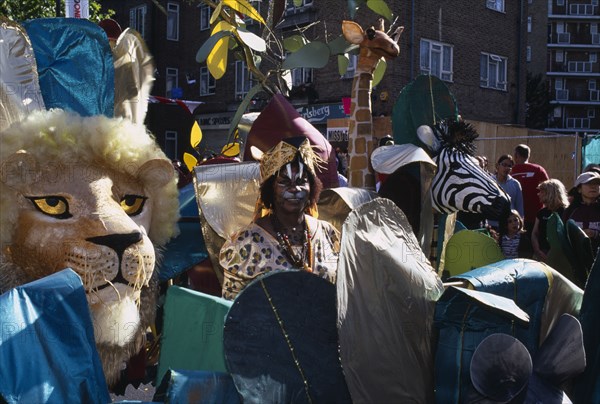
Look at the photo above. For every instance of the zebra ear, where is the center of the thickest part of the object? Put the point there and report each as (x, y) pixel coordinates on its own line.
(427, 136)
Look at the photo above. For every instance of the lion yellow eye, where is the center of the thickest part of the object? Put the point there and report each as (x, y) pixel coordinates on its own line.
(55, 206)
(133, 204)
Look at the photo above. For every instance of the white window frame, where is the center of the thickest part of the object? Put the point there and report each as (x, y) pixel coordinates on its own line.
(256, 4)
(558, 83)
(291, 9)
(591, 113)
(593, 57)
(529, 23)
(208, 83)
(171, 80)
(439, 52)
(205, 12)
(495, 66)
(171, 143)
(301, 76)
(559, 56)
(137, 19)
(172, 22)
(243, 79)
(496, 5)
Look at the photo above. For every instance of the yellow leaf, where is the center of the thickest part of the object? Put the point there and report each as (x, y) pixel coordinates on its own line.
(195, 135)
(217, 58)
(231, 149)
(190, 161)
(242, 6)
(216, 13)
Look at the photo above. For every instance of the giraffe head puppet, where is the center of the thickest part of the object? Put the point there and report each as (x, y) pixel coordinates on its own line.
(374, 43)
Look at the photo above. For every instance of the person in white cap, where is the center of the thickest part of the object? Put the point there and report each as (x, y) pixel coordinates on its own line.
(585, 208)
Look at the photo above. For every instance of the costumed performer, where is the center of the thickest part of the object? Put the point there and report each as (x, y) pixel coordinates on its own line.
(285, 233)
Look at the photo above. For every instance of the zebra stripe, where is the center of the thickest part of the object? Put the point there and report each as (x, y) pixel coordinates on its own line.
(460, 184)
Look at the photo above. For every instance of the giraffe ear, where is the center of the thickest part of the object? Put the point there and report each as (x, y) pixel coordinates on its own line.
(353, 32)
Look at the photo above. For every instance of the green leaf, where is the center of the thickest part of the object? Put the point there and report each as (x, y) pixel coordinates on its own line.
(381, 8)
(312, 55)
(379, 71)
(252, 40)
(242, 109)
(343, 62)
(207, 46)
(293, 43)
(340, 46)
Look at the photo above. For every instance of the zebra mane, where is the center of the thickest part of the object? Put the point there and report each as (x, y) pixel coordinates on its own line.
(456, 134)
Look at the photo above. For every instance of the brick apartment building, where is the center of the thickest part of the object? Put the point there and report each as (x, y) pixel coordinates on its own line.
(478, 47)
(572, 69)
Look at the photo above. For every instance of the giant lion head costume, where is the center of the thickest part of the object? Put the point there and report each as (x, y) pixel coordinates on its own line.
(95, 195)
(83, 190)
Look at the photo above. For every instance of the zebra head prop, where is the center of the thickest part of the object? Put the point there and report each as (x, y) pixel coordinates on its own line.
(460, 184)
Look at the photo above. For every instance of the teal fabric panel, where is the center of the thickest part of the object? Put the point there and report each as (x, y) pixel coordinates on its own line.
(75, 65)
(192, 336)
(47, 348)
(591, 150)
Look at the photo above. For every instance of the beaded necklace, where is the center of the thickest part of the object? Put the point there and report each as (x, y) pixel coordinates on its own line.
(303, 260)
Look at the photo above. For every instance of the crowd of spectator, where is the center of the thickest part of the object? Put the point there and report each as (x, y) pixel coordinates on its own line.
(534, 198)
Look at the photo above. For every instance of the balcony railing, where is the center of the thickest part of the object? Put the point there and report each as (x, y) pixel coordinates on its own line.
(563, 38)
(562, 95)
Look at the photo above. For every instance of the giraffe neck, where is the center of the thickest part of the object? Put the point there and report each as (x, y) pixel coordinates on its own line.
(360, 130)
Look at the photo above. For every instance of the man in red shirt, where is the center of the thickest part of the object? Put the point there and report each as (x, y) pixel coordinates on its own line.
(529, 176)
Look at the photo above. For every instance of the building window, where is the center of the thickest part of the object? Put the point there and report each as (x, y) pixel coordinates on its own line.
(301, 76)
(560, 56)
(436, 59)
(352, 63)
(528, 57)
(592, 84)
(173, 21)
(558, 84)
(497, 5)
(243, 79)
(137, 19)
(529, 23)
(256, 5)
(560, 2)
(593, 57)
(493, 71)
(291, 8)
(170, 147)
(204, 17)
(171, 81)
(591, 113)
(207, 82)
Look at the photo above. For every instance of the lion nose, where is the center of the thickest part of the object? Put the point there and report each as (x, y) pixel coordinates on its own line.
(118, 242)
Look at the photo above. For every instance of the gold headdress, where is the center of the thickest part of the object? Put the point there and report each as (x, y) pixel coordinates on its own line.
(284, 153)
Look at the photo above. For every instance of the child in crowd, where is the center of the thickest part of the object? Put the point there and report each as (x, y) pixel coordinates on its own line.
(553, 195)
(512, 238)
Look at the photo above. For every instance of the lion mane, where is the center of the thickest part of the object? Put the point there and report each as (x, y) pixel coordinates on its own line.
(96, 195)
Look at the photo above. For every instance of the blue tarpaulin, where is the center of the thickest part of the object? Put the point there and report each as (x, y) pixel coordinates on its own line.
(47, 348)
